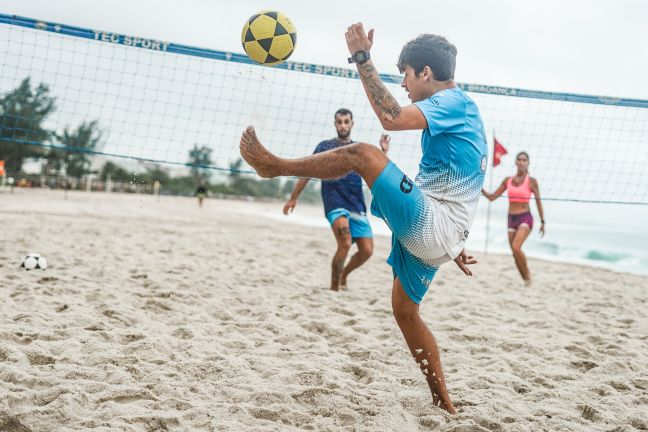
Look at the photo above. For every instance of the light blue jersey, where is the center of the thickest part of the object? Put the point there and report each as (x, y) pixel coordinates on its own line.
(454, 160)
(430, 218)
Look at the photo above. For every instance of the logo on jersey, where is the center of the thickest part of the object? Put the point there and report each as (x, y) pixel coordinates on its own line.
(466, 232)
(406, 185)
(484, 162)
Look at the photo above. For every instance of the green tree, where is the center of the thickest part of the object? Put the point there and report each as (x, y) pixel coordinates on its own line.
(241, 184)
(23, 112)
(82, 141)
(156, 173)
(310, 194)
(200, 159)
(115, 172)
(235, 169)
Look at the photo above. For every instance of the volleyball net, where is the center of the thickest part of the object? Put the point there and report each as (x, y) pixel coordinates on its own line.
(156, 101)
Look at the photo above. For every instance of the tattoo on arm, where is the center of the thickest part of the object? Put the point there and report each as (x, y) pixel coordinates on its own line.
(378, 93)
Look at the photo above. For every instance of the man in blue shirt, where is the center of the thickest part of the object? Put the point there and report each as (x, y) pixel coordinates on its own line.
(430, 218)
(344, 206)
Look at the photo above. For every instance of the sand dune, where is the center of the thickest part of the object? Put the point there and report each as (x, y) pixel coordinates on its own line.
(157, 315)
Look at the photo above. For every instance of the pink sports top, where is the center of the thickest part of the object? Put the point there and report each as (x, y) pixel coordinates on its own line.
(519, 194)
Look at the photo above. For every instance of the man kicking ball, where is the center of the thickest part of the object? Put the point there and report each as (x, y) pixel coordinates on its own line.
(430, 218)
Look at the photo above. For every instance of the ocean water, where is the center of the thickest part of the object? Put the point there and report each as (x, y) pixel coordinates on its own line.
(611, 236)
(604, 235)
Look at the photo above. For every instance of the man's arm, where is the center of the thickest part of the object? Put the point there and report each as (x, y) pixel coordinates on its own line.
(292, 201)
(391, 115)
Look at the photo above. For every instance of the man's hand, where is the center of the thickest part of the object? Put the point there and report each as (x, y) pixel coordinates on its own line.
(542, 229)
(464, 260)
(357, 39)
(384, 142)
(289, 206)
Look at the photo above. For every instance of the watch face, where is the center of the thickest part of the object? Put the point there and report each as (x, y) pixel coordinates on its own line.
(361, 56)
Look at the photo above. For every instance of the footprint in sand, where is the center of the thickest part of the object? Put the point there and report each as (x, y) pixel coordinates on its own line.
(429, 422)
(579, 351)
(129, 338)
(589, 413)
(183, 333)
(313, 396)
(521, 388)
(360, 374)
(12, 424)
(583, 365)
(262, 413)
(156, 306)
(38, 359)
(489, 424)
(619, 386)
(343, 311)
(23, 339)
(640, 384)
(116, 316)
(47, 279)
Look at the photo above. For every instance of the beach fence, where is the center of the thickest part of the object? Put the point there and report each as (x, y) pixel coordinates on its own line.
(89, 183)
(131, 97)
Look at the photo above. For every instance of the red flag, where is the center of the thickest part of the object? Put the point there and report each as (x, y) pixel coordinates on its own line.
(498, 152)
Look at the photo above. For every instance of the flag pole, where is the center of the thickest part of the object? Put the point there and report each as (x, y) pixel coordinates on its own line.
(490, 190)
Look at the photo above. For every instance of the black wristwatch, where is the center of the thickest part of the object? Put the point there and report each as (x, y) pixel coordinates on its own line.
(359, 57)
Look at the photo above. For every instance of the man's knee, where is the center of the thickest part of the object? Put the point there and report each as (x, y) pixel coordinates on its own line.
(404, 313)
(366, 254)
(366, 251)
(344, 240)
(363, 151)
(344, 248)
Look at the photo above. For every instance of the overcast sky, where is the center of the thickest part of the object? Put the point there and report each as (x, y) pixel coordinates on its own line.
(594, 47)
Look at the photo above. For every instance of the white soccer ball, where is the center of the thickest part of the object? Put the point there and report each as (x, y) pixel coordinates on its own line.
(34, 261)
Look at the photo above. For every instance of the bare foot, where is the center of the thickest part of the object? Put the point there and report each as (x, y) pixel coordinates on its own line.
(436, 401)
(343, 282)
(451, 409)
(528, 282)
(257, 156)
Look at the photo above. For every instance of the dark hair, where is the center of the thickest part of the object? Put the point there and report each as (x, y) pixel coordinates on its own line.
(343, 111)
(429, 50)
(523, 153)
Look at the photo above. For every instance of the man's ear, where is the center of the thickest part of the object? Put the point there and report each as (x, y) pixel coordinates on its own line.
(428, 75)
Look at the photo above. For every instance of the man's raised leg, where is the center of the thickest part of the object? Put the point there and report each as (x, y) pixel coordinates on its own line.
(365, 159)
(422, 345)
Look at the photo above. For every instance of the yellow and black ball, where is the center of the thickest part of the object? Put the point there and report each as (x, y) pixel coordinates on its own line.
(269, 37)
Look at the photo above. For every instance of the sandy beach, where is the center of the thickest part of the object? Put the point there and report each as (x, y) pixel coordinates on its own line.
(158, 315)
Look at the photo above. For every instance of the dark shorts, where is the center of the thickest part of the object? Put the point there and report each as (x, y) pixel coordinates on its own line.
(515, 220)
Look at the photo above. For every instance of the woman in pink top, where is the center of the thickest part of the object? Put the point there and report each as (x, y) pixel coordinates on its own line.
(520, 221)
